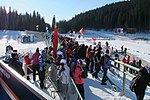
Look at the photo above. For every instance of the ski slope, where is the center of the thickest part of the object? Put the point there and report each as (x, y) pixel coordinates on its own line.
(93, 89)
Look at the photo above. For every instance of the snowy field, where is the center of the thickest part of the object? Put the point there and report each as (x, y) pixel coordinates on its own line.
(11, 38)
(139, 48)
(93, 89)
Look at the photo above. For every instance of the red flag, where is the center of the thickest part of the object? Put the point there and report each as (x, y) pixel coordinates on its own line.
(55, 42)
(81, 31)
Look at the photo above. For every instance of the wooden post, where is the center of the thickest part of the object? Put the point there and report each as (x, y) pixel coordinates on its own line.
(124, 80)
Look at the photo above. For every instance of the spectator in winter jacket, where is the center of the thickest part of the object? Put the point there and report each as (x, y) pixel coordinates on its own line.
(79, 81)
(91, 57)
(35, 65)
(9, 49)
(27, 59)
(47, 62)
(99, 46)
(72, 64)
(124, 59)
(107, 44)
(98, 53)
(64, 76)
(27, 65)
(122, 47)
(142, 82)
(117, 58)
(125, 51)
(97, 67)
(42, 67)
(128, 59)
(139, 63)
(81, 52)
(87, 59)
(16, 64)
(62, 49)
(105, 66)
(133, 63)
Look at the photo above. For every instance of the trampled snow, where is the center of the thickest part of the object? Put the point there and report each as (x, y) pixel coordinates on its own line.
(93, 89)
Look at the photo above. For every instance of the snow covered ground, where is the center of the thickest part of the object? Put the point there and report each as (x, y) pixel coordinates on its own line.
(11, 38)
(93, 89)
(139, 48)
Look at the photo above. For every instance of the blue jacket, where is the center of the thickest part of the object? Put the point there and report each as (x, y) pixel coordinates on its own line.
(42, 63)
(107, 61)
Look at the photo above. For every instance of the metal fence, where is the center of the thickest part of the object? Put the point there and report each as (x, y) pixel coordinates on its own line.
(66, 92)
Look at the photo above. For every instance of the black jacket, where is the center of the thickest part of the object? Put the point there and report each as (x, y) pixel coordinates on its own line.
(16, 65)
(143, 81)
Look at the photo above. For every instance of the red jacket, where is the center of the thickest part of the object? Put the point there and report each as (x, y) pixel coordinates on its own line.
(27, 60)
(35, 58)
(124, 60)
(77, 75)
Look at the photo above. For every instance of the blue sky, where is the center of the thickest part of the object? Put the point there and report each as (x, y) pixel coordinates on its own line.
(62, 9)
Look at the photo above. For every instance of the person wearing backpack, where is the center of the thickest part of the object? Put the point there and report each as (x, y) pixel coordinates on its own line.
(77, 75)
(141, 82)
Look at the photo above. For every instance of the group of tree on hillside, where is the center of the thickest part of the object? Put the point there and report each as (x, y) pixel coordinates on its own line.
(14, 21)
(124, 14)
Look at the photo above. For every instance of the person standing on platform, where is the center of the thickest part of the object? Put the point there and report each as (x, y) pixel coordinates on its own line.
(79, 81)
(142, 82)
(35, 65)
(42, 65)
(27, 65)
(16, 64)
(106, 64)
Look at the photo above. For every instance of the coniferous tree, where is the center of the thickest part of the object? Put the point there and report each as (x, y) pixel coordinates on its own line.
(53, 23)
(125, 14)
(14, 21)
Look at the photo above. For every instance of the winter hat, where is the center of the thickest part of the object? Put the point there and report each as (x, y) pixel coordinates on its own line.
(14, 54)
(61, 47)
(43, 51)
(37, 49)
(80, 61)
(46, 48)
(60, 53)
(63, 61)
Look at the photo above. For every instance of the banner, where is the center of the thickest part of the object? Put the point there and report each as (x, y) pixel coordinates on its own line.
(55, 42)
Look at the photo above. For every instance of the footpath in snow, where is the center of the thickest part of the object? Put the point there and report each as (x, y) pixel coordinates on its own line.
(94, 90)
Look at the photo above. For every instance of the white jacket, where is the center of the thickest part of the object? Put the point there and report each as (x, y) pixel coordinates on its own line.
(65, 75)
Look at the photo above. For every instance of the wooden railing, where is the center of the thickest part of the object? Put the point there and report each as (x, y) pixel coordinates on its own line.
(123, 70)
